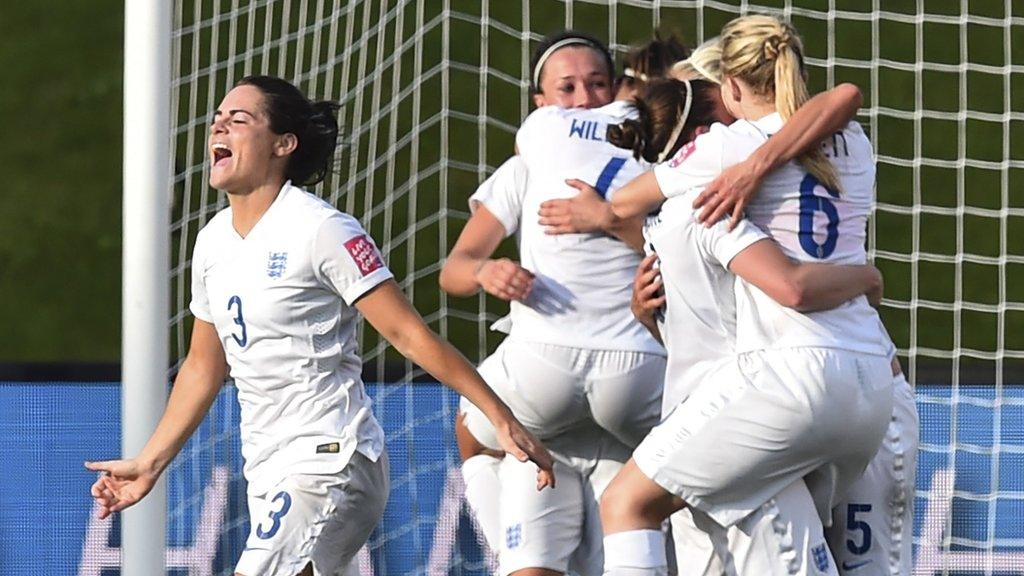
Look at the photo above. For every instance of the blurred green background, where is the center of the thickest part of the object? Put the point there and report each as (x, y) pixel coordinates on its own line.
(60, 209)
(949, 229)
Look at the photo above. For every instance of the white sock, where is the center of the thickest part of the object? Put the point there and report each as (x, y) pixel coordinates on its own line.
(635, 553)
(483, 485)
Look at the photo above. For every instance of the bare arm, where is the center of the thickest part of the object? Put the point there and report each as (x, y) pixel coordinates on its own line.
(391, 314)
(822, 115)
(195, 388)
(470, 267)
(806, 287)
(638, 198)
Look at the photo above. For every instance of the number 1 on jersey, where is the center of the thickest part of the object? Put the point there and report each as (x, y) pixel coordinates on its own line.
(608, 175)
(242, 339)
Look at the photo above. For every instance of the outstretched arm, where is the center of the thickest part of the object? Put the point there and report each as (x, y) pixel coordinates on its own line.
(391, 314)
(822, 115)
(125, 482)
(470, 267)
(803, 286)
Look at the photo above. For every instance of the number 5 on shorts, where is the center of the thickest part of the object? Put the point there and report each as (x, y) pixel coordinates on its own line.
(853, 525)
(275, 516)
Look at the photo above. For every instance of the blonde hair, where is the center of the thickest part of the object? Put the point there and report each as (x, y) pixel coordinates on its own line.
(767, 55)
(704, 63)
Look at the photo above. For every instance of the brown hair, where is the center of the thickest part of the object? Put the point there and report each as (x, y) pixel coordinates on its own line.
(768, 55)
(652, 60)
(660, 108)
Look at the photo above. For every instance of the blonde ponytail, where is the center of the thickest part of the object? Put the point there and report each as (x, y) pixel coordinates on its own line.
(767, 55)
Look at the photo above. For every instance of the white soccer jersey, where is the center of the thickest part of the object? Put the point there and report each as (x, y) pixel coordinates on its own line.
(809, 222)
(583, 281)
(699, 328)
(281, 301)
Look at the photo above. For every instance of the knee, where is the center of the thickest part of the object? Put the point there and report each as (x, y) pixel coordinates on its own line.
(619, 506)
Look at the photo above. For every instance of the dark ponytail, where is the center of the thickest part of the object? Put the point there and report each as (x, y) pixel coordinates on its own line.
(314, 124)
(659, 109)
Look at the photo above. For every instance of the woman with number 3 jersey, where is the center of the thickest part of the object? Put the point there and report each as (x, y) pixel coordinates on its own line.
(279, 279)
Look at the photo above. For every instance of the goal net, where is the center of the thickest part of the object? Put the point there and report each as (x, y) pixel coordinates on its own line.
(431, 93)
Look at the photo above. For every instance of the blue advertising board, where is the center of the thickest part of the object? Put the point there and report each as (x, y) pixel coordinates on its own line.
(968, 510)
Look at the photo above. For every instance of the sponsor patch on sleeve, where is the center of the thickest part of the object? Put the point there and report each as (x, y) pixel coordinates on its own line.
(365, 254)
(683, 154)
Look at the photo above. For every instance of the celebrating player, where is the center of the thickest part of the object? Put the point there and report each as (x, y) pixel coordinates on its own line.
(811, 394)
(575, 357)
(279, 278)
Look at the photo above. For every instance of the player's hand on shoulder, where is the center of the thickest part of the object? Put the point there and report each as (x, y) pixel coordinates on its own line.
(585, 212)
(505, 279)
(522, 445)
(729, 194)
(121, 484)
(648, 294)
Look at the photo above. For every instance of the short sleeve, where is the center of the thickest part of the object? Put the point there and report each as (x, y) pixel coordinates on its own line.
(200, 305)
(346, 260)
(502, 194)
(724, 245)
(702, 160)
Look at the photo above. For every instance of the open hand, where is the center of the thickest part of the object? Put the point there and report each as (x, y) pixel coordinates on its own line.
(729, 194)
(505, 279)
(584, 212)
(122, 484)
(523, 446)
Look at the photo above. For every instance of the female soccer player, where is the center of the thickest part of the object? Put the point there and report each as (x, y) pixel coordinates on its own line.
(810, 396)
(575, 356)
(279, 278)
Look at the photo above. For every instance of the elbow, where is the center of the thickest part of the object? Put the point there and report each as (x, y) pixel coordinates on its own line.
(851, 95)
(795, 295)
(444, 279)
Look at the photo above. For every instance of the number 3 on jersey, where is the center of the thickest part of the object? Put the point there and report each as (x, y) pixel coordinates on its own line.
(810, 203)
(243, 338)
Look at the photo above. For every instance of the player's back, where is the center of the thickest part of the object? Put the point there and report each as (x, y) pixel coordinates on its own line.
(813, 224)
(583, 280)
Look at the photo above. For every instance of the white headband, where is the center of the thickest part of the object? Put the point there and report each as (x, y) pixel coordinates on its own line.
(679, 125)
(551, 50)
(634, 74)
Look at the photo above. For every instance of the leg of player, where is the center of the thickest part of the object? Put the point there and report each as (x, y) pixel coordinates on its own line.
(480, 466)
(540, 529)
(632, 510)
(872, 528)
(783, 537)
(315, 523)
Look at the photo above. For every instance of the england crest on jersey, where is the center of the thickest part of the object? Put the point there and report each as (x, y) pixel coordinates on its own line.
(276, 263)
(820, 555)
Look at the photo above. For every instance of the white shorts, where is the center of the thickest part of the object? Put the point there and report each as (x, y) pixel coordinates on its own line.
(553, 389)
(772, 418)
(558, 529)
(872, 529)
(323, 519)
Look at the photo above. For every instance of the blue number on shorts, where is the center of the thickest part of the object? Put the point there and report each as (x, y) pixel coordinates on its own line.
(854, 525)
(608, 174)
(275, 517)
(244, 338)
(809, 204)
